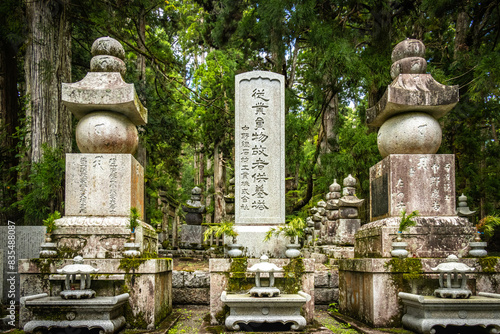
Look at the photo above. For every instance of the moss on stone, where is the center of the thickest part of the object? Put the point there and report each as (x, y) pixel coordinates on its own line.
(292, 276)
(488, 264)
(411, 268)
(134, 321)
(131, 264)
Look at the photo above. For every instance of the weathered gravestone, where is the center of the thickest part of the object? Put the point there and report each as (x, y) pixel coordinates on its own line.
(260, 160)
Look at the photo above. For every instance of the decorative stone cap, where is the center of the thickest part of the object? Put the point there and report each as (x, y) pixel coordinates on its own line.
(452, 265)
(335, 187)
(77, 268)
(264, 266)
(349, 181)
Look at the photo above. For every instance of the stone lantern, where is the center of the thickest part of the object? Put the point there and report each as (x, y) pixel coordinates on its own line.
(78, 268)
(454, 286)
(264, 266)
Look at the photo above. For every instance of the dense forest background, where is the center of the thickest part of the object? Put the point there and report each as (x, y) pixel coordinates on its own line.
(182, 57)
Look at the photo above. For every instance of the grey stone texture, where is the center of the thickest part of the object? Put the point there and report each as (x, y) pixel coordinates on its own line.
(103, 185)
(409, 133)
(369, 289)
(45, 312)
(106, 132)
(108, 46)
(150, 289)
(192, 236)
(423, 182)
(104, 91)
(28, 240)
(106, 63)
(260, 153)
(424, 313)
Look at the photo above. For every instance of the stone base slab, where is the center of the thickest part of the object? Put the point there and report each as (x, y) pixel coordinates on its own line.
(100, 237)
(254, 246)
(246, 309)
(369, 287)
(220, 276)
(105, 313)
(425, 312)
(148, 281)
(431, 237)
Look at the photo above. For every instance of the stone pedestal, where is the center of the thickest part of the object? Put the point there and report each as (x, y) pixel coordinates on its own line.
(369, 287)
(147, 281)
(252, 239)
(192, 236)
(233, 276)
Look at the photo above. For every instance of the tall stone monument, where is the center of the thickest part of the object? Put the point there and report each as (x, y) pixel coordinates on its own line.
(103, 183)
(410, 177)
(260, 161)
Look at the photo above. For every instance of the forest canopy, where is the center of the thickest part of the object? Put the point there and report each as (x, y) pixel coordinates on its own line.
(182, 57)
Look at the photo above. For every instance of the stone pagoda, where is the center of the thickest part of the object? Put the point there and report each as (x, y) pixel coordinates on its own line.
(411, 177)
(103, 183)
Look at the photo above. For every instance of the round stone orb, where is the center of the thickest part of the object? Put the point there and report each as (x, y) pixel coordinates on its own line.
(104, 63)
(106, 132)
(108, 46)
(408, 48)
(409, 133)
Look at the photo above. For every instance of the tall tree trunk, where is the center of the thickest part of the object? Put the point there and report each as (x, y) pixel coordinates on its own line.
(141, 44)
(9, 112)
(219, 185)
(328, 121)
(208, 190)
(47, 65)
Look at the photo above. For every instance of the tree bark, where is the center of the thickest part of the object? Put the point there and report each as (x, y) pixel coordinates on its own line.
(219, 185)
(47, 65)
(328, 121)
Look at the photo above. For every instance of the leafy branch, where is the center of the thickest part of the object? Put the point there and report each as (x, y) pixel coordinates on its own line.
(406, 221)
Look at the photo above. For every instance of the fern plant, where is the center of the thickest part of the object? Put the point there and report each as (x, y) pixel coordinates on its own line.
(406, 221)
(293, 229)
(223, 228)
(50, 222)
(134, 219)
(488, 225)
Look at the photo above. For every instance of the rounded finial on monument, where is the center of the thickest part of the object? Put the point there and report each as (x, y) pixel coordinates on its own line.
(321, 204)
(106, 63)
(407, 58)
(349, 181)
(108, 46)
(335, 187)
(196, 191)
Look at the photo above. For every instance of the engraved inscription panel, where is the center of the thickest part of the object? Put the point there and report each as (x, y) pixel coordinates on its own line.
(380, 196)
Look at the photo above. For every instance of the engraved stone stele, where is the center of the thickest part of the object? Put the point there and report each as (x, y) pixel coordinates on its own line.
(259, 160)
(407, 113)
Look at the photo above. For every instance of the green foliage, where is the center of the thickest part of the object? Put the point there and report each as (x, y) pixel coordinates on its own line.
(294, 228)
(43, 187)
(49, 223)
(223, 228)
(134, 218)
(406, 221)
(488, 226)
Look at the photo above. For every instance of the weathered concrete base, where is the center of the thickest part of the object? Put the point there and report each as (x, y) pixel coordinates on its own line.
(232, 275)
(100, 237)
(338, 252)
(105, 313)
(424, 313)
(192, 236)
(191, 287)
(431, 237)
(246, 309)
(369, 287)
(252, 239)
(148, 281)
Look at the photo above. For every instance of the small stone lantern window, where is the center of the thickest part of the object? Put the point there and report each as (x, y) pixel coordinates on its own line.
(71, 271)
(264, 266)
(452, 279)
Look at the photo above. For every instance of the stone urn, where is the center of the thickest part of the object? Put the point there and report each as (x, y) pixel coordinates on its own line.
(478, 247)
(399, 247)
(234, 250)
(293, 249)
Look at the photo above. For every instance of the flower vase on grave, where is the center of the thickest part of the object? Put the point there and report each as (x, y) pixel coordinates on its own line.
(399, 247)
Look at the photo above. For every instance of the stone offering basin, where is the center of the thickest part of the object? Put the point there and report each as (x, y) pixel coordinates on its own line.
(247, 309)
(47, 312)
(422, 313)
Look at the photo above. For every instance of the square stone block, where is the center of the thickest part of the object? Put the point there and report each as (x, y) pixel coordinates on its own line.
(192, 235)
(103, 185)
(423, 182)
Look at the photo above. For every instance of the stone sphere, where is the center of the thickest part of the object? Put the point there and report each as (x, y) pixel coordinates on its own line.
(109, 47)
(409, 133)
(106, 132)
(105, 63)
(408, 48)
